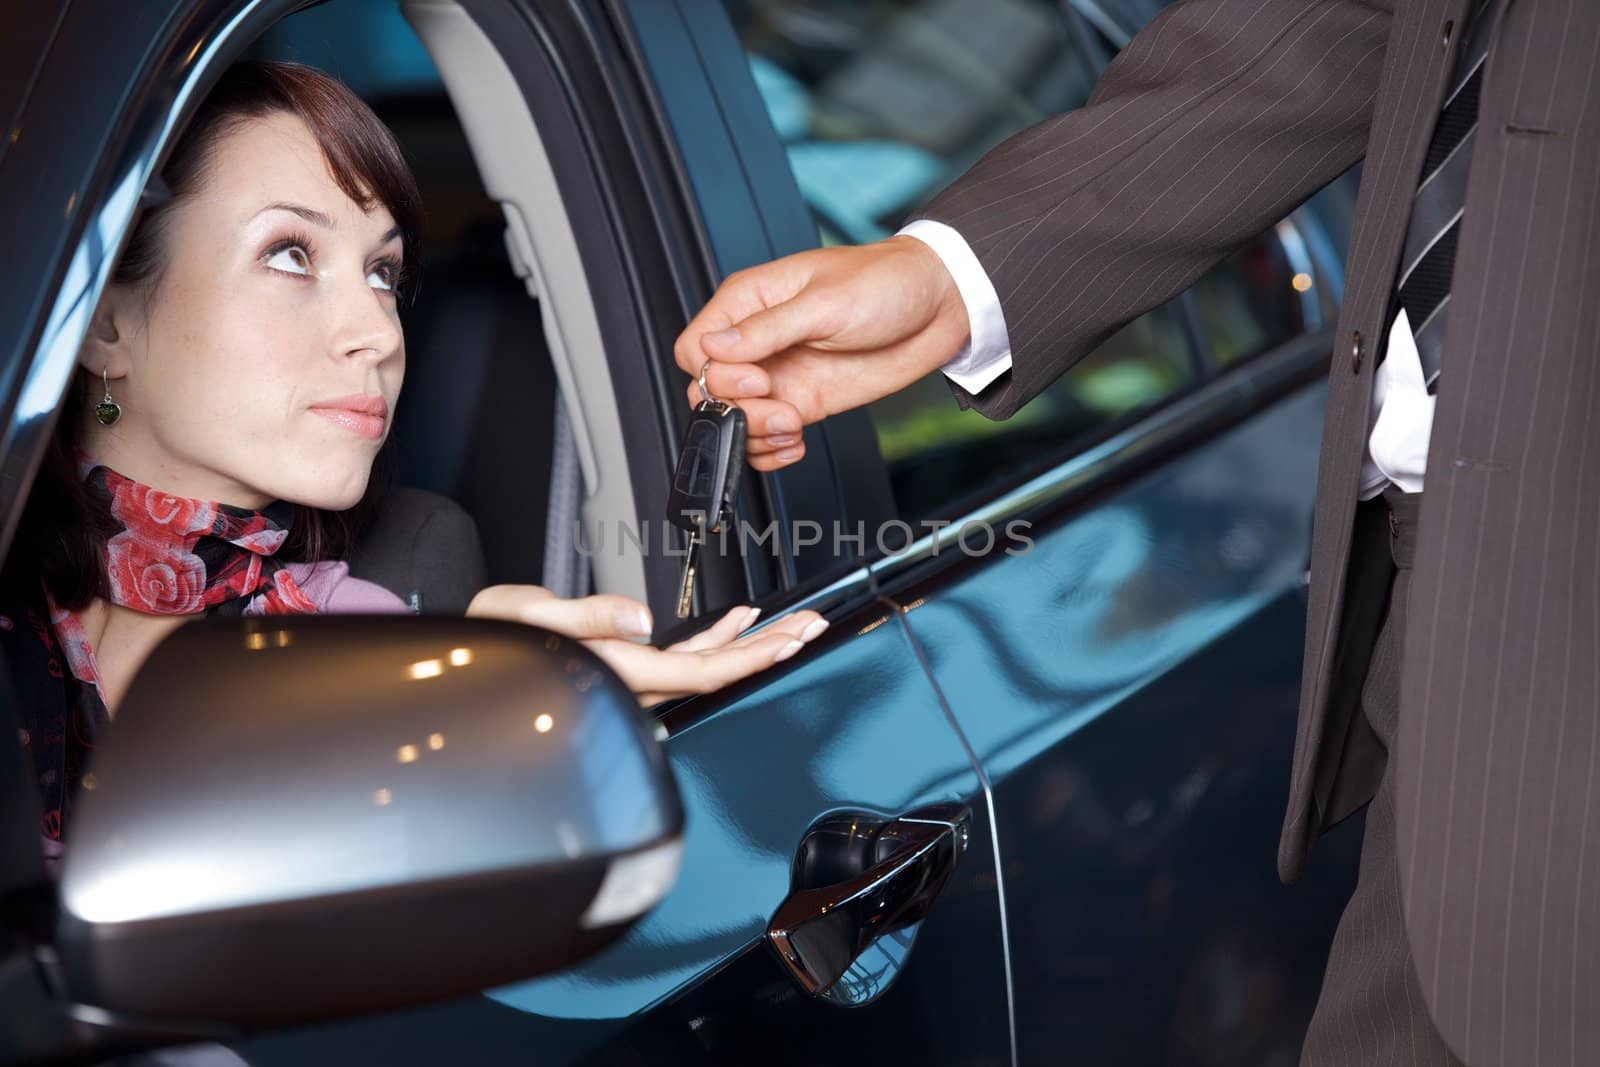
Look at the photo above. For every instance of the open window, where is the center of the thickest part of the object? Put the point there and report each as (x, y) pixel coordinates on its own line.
(507, 341)
(508, 407)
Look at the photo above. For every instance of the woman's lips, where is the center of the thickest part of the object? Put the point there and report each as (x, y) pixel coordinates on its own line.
(368, 426)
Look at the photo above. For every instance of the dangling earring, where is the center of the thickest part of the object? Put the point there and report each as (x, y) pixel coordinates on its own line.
(107, 411)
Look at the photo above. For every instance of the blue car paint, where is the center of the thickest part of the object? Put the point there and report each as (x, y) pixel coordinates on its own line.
(853, 724)
(1130, 685)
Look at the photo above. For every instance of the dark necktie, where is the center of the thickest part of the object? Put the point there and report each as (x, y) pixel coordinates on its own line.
(1423, 285)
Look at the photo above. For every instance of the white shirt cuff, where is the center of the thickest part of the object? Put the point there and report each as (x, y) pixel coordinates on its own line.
(987, 354)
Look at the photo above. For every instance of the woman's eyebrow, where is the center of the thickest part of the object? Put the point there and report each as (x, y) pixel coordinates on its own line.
(318, 218)
(310, 214)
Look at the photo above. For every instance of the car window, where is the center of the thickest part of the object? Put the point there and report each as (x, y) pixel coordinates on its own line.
(1135, 13)
(1128, 17)
(389, 63)
(879, 105)
(943, 460)
(1113, 23)
(1253, 300)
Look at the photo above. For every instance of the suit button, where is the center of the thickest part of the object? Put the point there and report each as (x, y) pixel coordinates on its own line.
(1449, 28)
(1355, 352)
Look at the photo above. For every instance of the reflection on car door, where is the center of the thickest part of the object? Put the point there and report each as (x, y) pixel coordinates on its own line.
(1130, 685)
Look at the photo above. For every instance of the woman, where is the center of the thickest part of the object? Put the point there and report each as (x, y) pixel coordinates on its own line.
(236, 388)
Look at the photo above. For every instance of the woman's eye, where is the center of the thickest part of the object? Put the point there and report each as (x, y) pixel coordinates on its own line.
(381, 278)
(291, 260)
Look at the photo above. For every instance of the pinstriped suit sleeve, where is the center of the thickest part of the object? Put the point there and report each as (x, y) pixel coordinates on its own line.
(1216, 121)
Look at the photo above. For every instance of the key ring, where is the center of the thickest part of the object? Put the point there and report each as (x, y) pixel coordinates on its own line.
(705, 394)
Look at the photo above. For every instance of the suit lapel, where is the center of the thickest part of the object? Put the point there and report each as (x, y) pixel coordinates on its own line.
(1415, 75)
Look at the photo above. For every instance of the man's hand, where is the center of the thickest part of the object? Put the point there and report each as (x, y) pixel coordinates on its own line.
(813, 334)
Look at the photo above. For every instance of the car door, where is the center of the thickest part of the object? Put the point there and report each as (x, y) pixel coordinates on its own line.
(1129, 678)
(1111, 595)
(851, 731)
(834, 780)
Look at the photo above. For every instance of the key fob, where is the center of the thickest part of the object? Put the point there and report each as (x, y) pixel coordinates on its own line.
(707, 479)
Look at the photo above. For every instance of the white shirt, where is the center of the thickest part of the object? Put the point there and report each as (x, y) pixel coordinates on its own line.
(1402, 409)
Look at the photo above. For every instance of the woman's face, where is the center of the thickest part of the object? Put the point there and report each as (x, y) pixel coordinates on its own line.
(264, 361)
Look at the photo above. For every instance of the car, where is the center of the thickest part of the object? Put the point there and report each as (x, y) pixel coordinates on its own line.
(1020, 804)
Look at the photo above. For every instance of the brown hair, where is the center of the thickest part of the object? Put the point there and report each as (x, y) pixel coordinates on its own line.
(62, 535)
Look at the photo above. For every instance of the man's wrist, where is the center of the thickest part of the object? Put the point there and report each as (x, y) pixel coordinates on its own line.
(984, 352)
(950, 320)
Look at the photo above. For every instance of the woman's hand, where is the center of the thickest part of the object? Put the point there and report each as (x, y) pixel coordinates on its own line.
(715, 657)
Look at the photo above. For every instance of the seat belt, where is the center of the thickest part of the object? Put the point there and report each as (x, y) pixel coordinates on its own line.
(566, 570)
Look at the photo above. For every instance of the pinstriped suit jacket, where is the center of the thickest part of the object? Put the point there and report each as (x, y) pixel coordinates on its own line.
(1220, 118)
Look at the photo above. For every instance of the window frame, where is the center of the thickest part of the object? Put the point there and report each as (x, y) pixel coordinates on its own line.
(109, 184)
(724, 168)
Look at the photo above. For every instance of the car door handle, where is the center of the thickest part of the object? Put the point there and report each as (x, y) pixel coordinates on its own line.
(819, 931)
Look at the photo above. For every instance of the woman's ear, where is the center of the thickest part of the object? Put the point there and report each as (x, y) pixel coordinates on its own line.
(106, 346)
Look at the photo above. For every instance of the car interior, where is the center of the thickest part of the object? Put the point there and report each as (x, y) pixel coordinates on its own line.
(508, 414)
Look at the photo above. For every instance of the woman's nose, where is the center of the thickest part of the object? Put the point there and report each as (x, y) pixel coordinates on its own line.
(369, 328)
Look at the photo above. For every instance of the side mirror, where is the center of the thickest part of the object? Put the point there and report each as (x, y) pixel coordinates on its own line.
(300, 818)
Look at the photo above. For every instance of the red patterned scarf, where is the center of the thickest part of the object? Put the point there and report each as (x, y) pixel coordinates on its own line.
(169, 556)
(177, 556)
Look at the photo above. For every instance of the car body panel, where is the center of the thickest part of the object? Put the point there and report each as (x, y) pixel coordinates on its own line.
(1130, 684)
(29, 30)
(755, 774)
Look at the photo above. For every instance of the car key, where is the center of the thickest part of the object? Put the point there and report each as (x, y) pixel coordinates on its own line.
(705, 483)
(707, 480)
(691, 560)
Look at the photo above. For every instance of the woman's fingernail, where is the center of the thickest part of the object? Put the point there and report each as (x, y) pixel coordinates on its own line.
(750, 619)
(749, 386)
(788, 455)
(634, 621)
(722, 338)
(814, 631)
(788, 650)
(782, 423)
(781, 440)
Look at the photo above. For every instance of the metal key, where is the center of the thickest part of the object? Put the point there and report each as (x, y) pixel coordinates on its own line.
(690, 562)
(706, 481)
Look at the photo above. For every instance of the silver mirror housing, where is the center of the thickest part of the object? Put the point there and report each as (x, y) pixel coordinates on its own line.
(303, 818)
